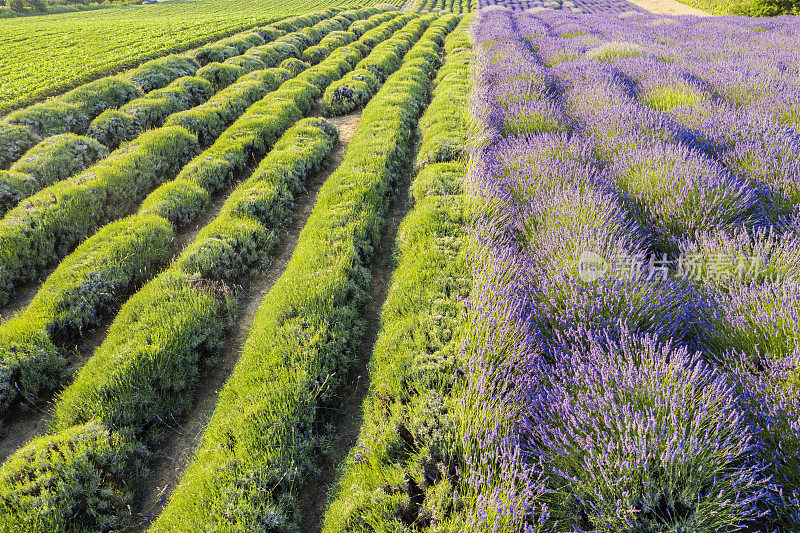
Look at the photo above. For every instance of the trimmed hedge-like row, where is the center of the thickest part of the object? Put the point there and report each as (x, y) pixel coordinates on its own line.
(210, 119)
(106, 260)
(116, 126)
(49, 224)
(15, 141)
(263, 439)
(73, 111)
(358, 87)
(332, 41)
(443, 131)
(146, 371)
(49, 162)
(45, 239)
(405, 470)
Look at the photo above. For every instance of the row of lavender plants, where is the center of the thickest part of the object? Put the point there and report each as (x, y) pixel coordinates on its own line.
(634, 342)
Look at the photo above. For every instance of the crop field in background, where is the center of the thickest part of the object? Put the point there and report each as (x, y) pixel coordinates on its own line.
(443, 265)
(44, 56)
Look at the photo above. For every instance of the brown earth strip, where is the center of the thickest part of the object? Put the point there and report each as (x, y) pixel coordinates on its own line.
(669, 7)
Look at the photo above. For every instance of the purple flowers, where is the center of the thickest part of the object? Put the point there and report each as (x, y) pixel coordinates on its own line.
(648, 403)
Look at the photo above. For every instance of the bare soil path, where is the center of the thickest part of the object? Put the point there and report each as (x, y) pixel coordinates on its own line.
(175, 455)
(347, 417)
(669, 7)
(25, 422)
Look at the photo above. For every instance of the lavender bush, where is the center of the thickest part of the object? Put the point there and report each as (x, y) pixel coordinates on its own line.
(633, 399)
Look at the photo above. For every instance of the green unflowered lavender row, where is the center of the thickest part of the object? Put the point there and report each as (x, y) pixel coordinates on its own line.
(145, 373)
(406, 467)
(263, 439)
(105, 268)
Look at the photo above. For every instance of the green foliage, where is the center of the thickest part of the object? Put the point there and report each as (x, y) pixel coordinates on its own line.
(668, 97)
(73, 111)
(160, 72)
(166, 335)
(751, 8)
(84, 288)
(443, 128)
(15, 141)
(80, 47)
(262, 440)
(44, 485)
(147, 368)
(115, 246)
(358, 87)
(59, 157)
(405, 470)
(611, 51)
(220, 75)
(48, 162)
(170, 330)
(211, 118)
(113, 127)
(15, 187)
(350, 93)
(49, 224)
(294, 66)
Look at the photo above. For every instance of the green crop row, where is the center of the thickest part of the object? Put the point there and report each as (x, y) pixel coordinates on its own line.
(453, 6)
(405, 470)
(750, 8)
(116, 126)
(113, 127)
(207, 122)
(49, 162)
(31, 358)
(442, 130)
(145, 373)
(332, 41)
(50, 223)
(358, 87)
(77, 48)
(75, 110)
(263, 439)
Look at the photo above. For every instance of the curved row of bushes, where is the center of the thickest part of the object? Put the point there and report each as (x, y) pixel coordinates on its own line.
(48, 225)
(265, 435)
(407, 467)
(358, 87)
(114, 127)
(73, 111)
(52, 160)
(145, 373)
(82, 290)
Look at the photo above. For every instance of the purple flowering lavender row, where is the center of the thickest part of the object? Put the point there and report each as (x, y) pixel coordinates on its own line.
(631, 405)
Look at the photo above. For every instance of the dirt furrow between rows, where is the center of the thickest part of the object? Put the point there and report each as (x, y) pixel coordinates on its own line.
(347, 416)
(26, 422)
(175, 455)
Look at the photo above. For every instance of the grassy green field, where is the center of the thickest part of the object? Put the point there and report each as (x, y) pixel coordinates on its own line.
(46, 56)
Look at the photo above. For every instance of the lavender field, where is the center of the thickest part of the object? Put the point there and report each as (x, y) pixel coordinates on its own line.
(498, 266)
(634, 345)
